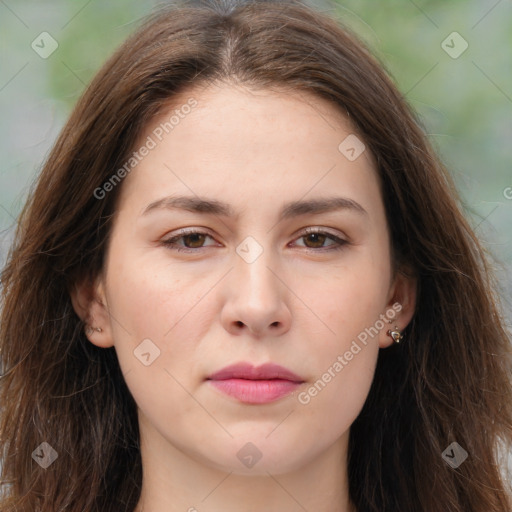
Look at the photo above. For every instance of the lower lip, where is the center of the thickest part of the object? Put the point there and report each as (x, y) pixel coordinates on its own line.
(255, 391)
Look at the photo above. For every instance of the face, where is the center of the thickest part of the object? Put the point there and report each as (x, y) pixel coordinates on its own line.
(264, 270)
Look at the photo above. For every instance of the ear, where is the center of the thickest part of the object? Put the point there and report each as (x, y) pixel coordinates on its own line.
(90, 304)
(400, 307)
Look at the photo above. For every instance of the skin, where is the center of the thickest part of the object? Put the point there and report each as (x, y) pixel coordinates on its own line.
(298, 304)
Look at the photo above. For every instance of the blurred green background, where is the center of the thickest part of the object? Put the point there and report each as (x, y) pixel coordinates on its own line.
(465, 103)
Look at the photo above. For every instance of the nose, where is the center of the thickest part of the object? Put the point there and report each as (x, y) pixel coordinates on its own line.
(256, 299)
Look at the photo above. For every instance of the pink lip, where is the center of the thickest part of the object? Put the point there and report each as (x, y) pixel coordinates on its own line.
(259, 385)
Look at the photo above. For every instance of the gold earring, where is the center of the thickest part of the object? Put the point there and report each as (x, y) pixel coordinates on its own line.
(396, 334)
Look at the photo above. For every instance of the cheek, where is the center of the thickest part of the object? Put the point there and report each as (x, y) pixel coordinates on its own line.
(354, 294)
(344, 361)
(335, 399)
(150, 296)
(151, 301)
(163, 307)
(350, 304)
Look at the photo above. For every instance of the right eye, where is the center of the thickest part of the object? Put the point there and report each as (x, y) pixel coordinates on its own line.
(192, 240)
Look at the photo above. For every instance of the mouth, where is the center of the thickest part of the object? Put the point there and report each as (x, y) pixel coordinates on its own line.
(255, 385)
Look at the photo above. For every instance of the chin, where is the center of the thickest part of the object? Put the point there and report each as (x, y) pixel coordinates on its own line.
(257, 455)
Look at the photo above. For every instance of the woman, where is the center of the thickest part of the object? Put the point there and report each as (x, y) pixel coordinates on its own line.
(244, 282)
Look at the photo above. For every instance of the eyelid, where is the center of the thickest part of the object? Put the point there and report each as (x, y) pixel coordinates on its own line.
(324, 231)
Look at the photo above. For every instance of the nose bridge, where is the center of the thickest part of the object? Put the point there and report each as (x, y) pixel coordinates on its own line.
(256, 295)
(252, 269)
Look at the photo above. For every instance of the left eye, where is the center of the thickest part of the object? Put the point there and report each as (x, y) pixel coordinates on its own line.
(318, 237)
(195, 240)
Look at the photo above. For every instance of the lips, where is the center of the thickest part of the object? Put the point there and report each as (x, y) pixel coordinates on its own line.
(255, 385)
(247, 371)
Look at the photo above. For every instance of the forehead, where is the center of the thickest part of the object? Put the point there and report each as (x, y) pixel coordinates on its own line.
(229, 139)
(250, 115)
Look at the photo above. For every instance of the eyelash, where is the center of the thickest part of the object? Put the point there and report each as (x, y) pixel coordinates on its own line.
(339, 242)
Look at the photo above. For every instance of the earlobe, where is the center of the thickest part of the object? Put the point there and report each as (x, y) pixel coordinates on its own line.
(400, 309)
(89, 302)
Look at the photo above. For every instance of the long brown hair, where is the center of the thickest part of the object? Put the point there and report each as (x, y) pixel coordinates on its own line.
(448, 381)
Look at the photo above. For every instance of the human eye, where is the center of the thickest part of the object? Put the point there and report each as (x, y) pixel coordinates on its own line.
(318, 237)
(192, 239)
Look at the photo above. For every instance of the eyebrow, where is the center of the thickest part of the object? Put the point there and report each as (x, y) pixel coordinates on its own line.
(289, 210)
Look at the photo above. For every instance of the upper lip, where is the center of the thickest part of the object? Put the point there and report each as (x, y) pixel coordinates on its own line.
(250, 372)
